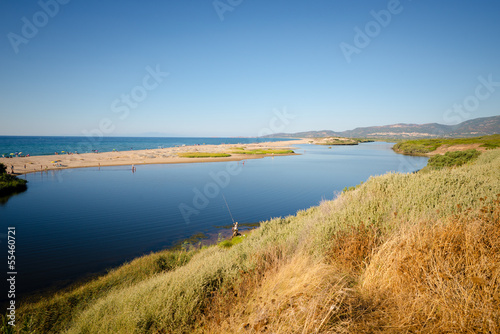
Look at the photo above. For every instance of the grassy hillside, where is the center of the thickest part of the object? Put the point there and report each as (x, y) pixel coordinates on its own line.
(423, 146)
(399, 253)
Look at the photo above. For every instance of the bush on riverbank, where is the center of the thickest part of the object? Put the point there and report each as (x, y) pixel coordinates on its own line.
(452, 159)
(401, 252)
(423, 146)
(10, 184)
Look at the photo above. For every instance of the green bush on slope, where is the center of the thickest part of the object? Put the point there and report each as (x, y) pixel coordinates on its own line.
(452, 159)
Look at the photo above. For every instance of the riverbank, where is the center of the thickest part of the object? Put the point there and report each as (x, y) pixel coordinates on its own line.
(170, 155)
(393, 246)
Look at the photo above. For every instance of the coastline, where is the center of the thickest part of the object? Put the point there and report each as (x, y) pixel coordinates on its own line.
(169, 155)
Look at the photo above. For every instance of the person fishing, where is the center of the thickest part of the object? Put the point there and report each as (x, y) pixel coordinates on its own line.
(235, 226)
(235, 230)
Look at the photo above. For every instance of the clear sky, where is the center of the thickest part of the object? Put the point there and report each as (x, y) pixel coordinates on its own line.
(241, 67)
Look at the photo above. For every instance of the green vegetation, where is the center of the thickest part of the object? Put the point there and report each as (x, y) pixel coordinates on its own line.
(10, 184)
(399, 253)
(240, 224)
(243, 151)
(231, 242)
(452, 159)
(52, 315)
(340, 141)
(423, 146)
(190, 243)
(346, 189)
(203, 155)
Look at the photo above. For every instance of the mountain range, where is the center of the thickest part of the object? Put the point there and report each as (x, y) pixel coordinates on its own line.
(474, 127)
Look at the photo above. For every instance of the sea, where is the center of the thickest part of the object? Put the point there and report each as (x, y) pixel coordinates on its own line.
(48, 145)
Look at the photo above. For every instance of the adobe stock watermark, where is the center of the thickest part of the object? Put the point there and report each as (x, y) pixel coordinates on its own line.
(363, 37)
(121, 109)
(220, 180)
(122, 106)
(210, 190)
(463, 111)
(408, 164)
(31, 27)
(278, 122)
(223, 6)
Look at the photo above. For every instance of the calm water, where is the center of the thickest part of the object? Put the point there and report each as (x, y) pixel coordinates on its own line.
(74, 222)
(48, 145)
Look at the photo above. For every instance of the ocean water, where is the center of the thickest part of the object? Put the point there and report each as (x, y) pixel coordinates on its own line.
(75, 222)
(33, 145)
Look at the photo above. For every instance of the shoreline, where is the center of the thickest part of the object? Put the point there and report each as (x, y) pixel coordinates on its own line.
(169, 155)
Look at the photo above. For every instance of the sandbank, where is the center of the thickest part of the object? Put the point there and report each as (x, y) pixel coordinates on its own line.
(169, 155)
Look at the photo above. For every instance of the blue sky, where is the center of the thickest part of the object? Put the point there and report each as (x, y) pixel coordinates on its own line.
(241, 68)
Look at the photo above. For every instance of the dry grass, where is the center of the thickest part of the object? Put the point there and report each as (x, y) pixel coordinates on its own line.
(438, 277)
(352, 248)
(297, 296)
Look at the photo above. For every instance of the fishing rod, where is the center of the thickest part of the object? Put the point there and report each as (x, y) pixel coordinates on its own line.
(227, 207)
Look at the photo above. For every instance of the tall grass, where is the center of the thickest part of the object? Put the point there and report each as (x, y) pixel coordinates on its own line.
(425, 244)
(440, 276)
(55, 313)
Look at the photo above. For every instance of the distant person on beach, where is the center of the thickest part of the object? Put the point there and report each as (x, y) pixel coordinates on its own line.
(12, 169)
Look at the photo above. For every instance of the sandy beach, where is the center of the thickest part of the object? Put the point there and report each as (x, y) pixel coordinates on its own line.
(170, 155)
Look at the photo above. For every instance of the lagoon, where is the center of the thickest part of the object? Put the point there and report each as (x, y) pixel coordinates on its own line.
(76, 222)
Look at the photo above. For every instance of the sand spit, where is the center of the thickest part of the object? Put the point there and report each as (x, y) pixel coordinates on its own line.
(23, 165)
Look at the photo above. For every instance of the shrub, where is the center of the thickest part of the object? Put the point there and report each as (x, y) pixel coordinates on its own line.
(452, 159)
(10, 184)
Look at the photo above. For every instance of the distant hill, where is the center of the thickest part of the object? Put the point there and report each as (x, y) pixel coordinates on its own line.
(474, 127)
